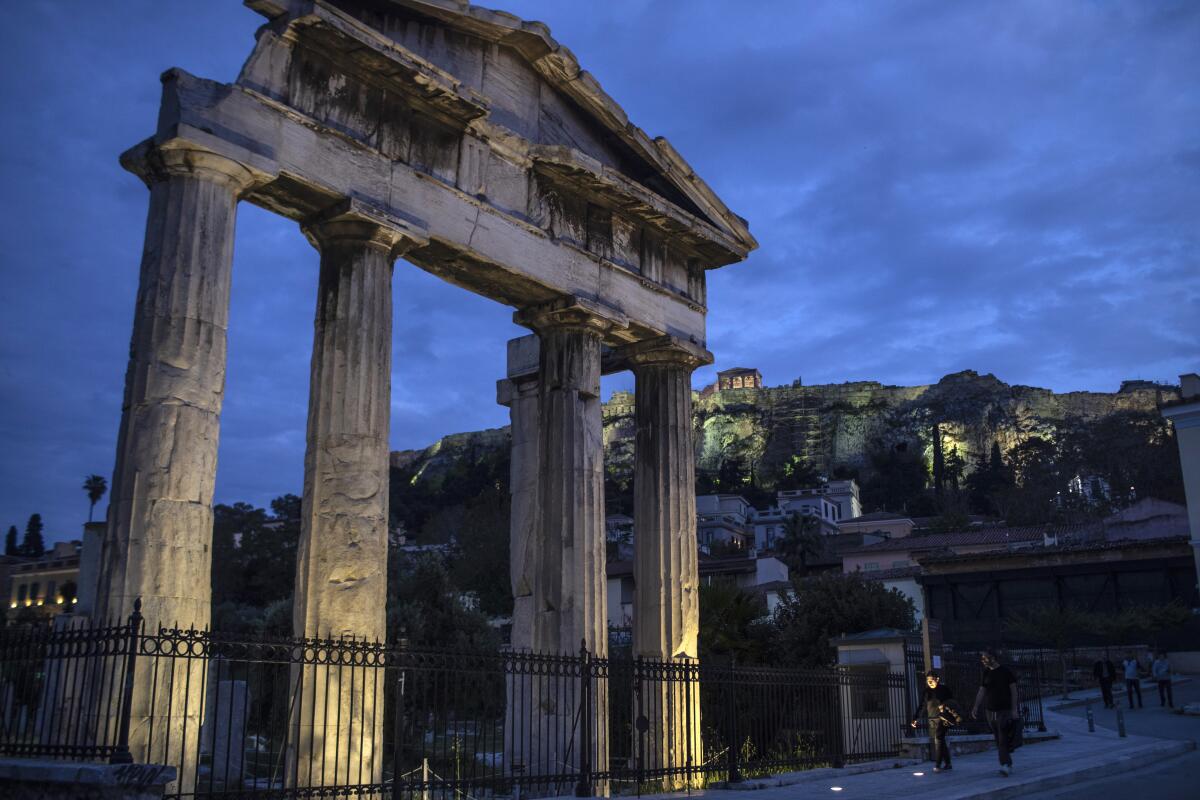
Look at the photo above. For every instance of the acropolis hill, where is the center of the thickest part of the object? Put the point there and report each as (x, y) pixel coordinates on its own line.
(834, 424)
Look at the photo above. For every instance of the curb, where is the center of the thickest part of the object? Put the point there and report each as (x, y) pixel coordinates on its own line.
(1139, 758)
(1147, 685)
(809, 775)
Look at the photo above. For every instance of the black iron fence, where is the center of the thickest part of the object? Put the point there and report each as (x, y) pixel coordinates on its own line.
(961, 672)
(244, 716)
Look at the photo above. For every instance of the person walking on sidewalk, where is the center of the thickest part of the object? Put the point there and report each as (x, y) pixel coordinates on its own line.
(1133, 684)
(1105, 672)
(998, 686)
(1161, 670)
(934, 702)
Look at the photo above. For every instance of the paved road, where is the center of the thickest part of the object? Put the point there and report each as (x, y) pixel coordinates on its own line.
(1173, 779)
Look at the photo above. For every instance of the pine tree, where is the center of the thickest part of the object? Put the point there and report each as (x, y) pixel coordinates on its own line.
(33, 546)
(939, 462)
(10, 542)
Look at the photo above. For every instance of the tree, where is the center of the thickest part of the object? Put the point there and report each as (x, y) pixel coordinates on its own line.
(33, 546)
(897, 480)
(801, 541)
(732, 624)
(990, 478)
(11, 548)
(1060, 629)
(797, 473)
(828, 605)
(95, 486)
(1144, 622)
(939, 463)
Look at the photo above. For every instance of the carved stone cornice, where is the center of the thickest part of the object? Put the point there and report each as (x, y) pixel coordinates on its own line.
(352, 221)
(665, 351)
(154, 163)
(572, 314)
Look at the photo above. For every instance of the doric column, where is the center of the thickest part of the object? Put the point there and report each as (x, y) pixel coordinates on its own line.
(569, 591)
(666, 603)
(158, 542)
(341, 564)
(519, 392)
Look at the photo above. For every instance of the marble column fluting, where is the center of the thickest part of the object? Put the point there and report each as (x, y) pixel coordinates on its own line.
(666, 570)
(570, 598)
(157, 543)
(341, 563)
(520, 395)
(569, 582)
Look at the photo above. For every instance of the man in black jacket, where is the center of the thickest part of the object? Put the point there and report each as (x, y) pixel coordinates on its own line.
(934, 701)
(1105, 672)
(998, 685)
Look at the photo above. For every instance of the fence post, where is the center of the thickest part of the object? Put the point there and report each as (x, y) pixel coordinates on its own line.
(735, 772)
(121, 754)
(584, 787)
(1037, 679)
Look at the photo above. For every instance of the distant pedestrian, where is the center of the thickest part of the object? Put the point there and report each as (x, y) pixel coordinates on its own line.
(1132, 682)
(1161, 670)
(998, 686)
(1105, 672)
(935, 702)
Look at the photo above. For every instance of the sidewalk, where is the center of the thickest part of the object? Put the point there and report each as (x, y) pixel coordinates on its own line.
(1078, 755)
(1081, 697)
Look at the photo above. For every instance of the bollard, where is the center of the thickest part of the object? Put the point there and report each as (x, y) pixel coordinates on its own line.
(1120, 723)
(1091, 718)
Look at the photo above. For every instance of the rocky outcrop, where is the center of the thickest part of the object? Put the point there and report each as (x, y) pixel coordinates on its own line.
(839, 424)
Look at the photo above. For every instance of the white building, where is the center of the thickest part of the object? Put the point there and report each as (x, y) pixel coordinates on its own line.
(843, 495)
(765, 576)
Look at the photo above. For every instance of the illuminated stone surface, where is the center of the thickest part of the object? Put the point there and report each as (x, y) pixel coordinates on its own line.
(476, 141)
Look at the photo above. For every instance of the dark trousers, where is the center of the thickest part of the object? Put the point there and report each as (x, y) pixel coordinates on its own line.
(1165, 698)
(1106, 691)
(1132, 685)
(999, 721)
(937, 744)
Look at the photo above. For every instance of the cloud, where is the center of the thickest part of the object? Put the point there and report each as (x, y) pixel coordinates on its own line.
(1009, 187)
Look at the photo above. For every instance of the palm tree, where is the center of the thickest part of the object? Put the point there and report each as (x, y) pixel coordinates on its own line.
(95, 486)
(801, 541)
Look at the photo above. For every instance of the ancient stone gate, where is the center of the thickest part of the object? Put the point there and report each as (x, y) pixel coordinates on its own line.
(472, 144)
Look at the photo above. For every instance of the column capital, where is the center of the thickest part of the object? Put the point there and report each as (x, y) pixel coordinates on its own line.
(666, 351)
(571, 314)
(352, 220)
(154, 163)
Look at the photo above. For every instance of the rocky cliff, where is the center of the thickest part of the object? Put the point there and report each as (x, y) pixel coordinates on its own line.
(831, 425)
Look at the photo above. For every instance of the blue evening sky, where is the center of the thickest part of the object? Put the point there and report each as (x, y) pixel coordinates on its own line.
(1010, 187)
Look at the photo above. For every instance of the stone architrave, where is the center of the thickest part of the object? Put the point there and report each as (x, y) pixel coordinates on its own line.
(341, 562)
(666, 603)
(158, 542)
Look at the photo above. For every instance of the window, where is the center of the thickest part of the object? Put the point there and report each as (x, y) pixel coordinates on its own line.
(899, 564)
(871, 566)
(33, 591)
(21, 593)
